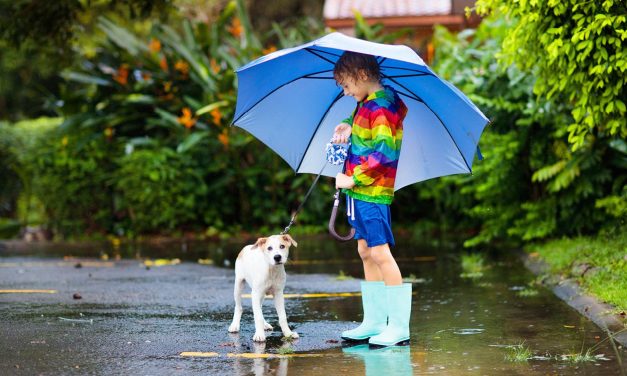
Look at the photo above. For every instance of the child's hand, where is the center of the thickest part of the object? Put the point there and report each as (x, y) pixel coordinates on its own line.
(341, 134)
(343, 181)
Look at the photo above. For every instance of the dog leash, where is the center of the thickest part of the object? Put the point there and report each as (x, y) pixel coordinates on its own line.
(302, 203)
(335, 155)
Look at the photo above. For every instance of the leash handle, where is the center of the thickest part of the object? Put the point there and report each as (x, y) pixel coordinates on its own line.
(336, 204)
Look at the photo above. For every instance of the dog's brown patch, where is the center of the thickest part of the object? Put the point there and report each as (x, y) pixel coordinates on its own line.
(260, 242)
(288, 238)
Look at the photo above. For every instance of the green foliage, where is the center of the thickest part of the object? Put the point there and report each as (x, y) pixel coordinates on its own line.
(157, 107)
(9, 228)
(530, 184)
(147, 117)
(527, 292)
(18, 144)
(9, 171)
(28, 80)
(473, 265)
(56, 21)
(376, 32)
(518, 353)
(577, 51)
(604, 257)
(159, 189)
(72, 177)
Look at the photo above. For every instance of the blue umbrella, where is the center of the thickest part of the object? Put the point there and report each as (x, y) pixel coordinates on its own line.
(289, 100)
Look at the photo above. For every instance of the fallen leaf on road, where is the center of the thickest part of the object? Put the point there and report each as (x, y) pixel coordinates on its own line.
(162, 262)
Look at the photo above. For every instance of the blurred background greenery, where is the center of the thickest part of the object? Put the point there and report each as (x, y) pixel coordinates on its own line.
(115, 120)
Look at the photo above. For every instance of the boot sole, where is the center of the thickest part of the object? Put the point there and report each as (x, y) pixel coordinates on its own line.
(404, 342)
(353, 340)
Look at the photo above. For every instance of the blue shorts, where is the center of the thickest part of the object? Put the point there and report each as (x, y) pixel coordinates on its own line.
(372, 222)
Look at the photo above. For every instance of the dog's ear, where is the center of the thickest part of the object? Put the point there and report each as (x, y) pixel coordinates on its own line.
(260, 242)
(288, 238)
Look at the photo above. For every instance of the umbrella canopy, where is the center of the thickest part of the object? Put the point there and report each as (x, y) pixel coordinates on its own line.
(290, 101)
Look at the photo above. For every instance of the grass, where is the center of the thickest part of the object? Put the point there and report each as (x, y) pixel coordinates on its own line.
(527, 292)
(522, 353)
(518, 353)
(606, 256)
(589, 356)
(285, 350)
(413, 279)
(343, 276)
(473, 266)
(582, 357)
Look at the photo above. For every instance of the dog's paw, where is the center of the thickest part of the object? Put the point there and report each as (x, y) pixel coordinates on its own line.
(267, 326)
(233, 328)
(291, 335)
(259, 337)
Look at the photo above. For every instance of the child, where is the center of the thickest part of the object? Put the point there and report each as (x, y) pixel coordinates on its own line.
(375, 130)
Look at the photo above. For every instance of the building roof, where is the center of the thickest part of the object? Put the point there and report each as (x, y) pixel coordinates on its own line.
(343, 9)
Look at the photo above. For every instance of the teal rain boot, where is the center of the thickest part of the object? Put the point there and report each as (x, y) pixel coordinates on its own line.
(399, 309)
(375, 314)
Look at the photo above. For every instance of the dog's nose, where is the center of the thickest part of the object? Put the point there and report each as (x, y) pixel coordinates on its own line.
(277, 258)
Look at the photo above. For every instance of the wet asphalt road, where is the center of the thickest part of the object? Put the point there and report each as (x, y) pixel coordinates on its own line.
(134, 319)
(137, 320)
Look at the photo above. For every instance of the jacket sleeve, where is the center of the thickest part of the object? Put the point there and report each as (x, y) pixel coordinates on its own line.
(349, 120)
(382, 150)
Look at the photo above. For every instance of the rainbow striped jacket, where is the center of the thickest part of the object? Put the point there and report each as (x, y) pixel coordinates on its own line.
(376, 137)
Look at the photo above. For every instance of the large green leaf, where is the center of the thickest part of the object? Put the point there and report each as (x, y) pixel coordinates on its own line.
(190, 141)
(122, 37)
(84, 78)
(211, 107)
(170, 36)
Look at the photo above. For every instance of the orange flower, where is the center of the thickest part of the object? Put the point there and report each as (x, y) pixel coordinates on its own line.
(269, 50)
(121, 75)
(186, 119)
(167, 86)
(224, 138)
(215, 67)
(182, 67)
(164, 64)
(216, 116)
(108, 132)
(236, 27)
(155, 45)
(430, 52)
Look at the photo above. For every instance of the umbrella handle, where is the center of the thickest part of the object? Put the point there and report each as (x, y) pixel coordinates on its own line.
(332, 231)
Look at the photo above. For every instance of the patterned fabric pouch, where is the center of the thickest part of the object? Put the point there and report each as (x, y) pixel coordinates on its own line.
(337, 153)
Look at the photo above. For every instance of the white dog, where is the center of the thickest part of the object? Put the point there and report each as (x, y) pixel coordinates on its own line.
(261, 266)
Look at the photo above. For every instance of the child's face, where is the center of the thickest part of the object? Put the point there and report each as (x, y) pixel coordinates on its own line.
(356, 87)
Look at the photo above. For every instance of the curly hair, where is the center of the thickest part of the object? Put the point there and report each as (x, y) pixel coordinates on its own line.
(350, 63)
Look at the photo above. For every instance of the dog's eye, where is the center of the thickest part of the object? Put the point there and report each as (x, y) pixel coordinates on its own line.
(281, 246)
(269, 248)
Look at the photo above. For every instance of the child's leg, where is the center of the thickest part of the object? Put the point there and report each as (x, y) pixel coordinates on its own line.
(388, 268)
(398, 300)
(371, 269)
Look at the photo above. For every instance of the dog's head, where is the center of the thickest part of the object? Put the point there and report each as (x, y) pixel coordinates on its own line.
(276, 248)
